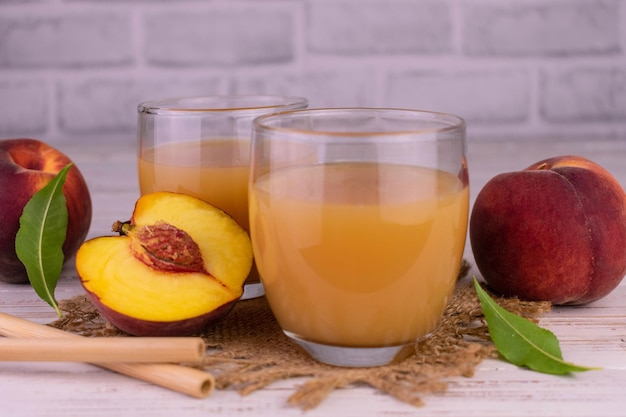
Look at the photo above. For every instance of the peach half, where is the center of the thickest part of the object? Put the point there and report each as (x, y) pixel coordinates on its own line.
(177, 266)
(555, 231)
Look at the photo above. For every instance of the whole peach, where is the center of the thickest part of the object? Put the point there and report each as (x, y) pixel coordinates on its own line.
(26, 166)
(555, 231)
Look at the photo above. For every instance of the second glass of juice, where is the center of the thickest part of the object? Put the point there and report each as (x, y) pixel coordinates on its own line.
(358, 222)
(201, 146)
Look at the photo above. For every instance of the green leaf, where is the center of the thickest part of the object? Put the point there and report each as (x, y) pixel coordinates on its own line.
(522, 342)
(39, 240)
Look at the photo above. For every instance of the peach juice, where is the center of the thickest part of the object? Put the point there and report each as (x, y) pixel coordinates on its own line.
(358, 254)
(215, 171)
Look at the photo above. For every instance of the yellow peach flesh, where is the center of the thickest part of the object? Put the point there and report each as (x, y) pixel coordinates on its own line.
(150, 294)
(221, 253)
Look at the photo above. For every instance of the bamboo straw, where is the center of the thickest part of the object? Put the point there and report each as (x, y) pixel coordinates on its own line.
(183, 379)
(104, 349)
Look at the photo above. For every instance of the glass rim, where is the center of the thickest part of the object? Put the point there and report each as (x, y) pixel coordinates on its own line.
(455, 122)
(186, 105)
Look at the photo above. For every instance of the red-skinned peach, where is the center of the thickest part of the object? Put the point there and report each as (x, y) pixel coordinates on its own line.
(555, 231)
(26, 166)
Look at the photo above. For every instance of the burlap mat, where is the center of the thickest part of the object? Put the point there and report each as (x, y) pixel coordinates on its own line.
(248, 351)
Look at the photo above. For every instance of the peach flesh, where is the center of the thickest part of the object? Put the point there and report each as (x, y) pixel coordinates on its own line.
(178, 266)
(139, 327)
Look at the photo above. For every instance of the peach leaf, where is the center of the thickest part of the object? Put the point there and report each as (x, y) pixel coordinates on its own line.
(39, 240)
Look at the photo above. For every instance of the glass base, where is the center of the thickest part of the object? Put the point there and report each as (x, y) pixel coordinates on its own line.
(253, 290)
(353, 357)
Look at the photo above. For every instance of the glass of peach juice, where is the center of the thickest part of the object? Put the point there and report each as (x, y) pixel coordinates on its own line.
(200, 146)
(358, 220)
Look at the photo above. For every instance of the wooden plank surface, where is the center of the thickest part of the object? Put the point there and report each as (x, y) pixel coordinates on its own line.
(590, 335)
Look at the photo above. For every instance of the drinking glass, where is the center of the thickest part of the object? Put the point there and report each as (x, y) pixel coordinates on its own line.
(358, 222)
(201, 146)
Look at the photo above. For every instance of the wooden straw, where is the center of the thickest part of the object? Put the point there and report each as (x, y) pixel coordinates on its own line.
(104, 349)
(183, 379)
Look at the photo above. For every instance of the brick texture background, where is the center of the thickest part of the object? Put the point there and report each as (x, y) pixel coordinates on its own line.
(528, 69)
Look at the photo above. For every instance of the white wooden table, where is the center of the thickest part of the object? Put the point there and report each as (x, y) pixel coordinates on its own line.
(591, 335)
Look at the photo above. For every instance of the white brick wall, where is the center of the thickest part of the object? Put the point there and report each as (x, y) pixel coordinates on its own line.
(513, 68)
(378, 27)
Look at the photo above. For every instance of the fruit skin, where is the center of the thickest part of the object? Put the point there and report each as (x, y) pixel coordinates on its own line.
(26, 166)
(145, 295)
(146, 328)
(555, 231)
